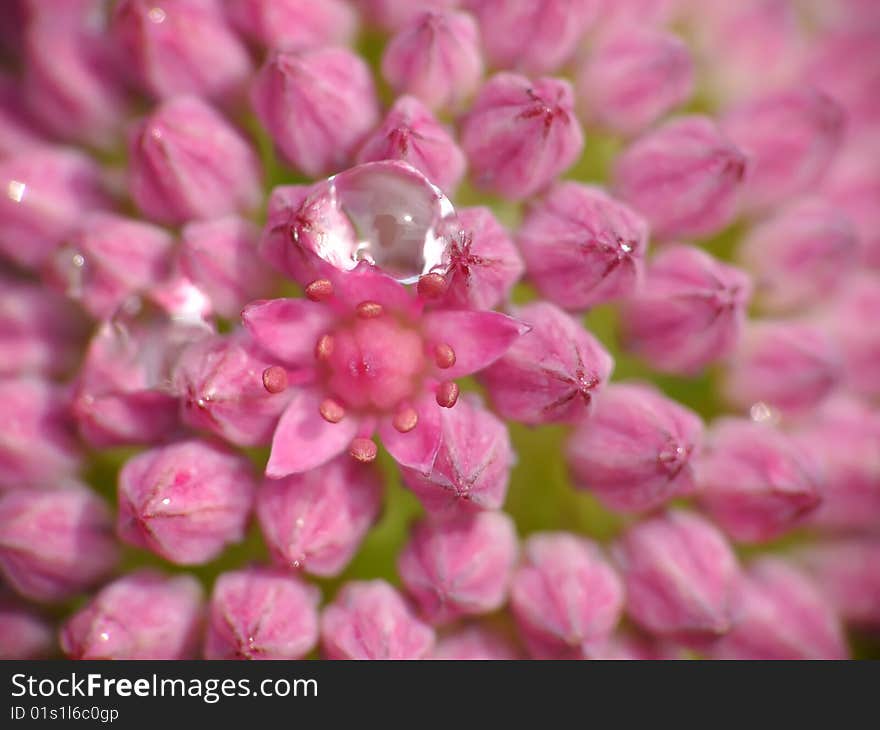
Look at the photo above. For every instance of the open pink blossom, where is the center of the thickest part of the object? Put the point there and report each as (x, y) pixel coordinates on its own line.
(373, 359)
(476, 641)
(293, 24)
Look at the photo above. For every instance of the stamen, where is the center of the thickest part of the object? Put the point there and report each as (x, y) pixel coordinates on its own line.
(363, 449)
(405, 420)
(432, 286)
(320, 290)
(324, 348)
(369, 310)
(275, 379)
(331, 410)
(444, 356)
(447, 394)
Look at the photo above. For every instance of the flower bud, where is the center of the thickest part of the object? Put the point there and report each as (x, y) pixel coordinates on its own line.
(634, 452)
(853, 321)
(315, 521)
(37, 444)
(293, 24)
(26, 634)
(55, 543)
(755, 481)
(143, 615)
(565, 597)
(370, 620)
(47, 190)
(475, 642)
(787, 365)
(519, 135)
(435, 57)
(684, 177)
(634, 77)
(187, 161)
(186, 501)
(808, 247)
(688, 313)
(582, 247)
(260, 613)
(181, 47)
(552, 373)
(532, 37)
(780, 614)
(472, 468)
(790, 138)
(680, 574)
(317, 106)
(459, 566)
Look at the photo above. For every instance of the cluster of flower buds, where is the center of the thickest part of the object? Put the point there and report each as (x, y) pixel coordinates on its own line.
(523, 329)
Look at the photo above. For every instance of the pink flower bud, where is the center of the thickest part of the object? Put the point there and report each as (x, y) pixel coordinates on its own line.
(755, 481)
(143, 615)
(412, 134)
(181, 47)
(220, 257)
(853, 320)
(315, 521)
(634, 452)
(18, 130)
(260, 613)
(26, 635)
(684, 177)
(370, 620)
(808, 247)
(790, 138)
(532, 37)
(565, 597)
(780, 614)
(37, 444)
(47, 190)
(582, 247)
(187, 161)
(476, 642)
(787, 365)
(459, 566)
(472, 468)
(435, 57)
(317, 106)
(221, 382)
(552, 373)
(634, 77)
(519, 135)
(55, 543)
(847, 571)
(186, 502)
(680, 574)
(276, 246)
(293, 24)
(688, 313)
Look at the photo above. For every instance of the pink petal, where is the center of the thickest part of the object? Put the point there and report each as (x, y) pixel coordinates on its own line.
(367, 283)
(287, 328)
(418, 448)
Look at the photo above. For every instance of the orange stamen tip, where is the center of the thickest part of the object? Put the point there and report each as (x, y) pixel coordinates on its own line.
(444, 356)
(320, 290)
(405, 420)
(369, 310)
(275, 379)
(447, 394)
(432, 286)
(331, 411)
(363, 450)
(324, 348)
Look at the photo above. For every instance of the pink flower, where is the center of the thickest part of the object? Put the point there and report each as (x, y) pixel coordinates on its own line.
(755, 481)
(780, 614)
(260, 613)
(55, 543)
(410, 133)
(790, 138)
(372, 358)
(634, 451)
(633, 77)
(552, 373)
(186, 501)
(293, 24)
(435, 57)
(317, 105)
(143, 615)
(680, 575)
(370, 620)
(565, 597)
(582, 247)
(26, 634)
(187, 161)
(688, 313)
(519, 135)
(181, 47)
(684, 177)
(472, 467)
(316, 521)
(460, 566)
(475, 642)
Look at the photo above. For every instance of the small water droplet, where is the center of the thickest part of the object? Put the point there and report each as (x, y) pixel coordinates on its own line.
(761, 412)
(295, 563)
(157, 15)
(104, 636)
(16, 190)
(166, 501)
(300, 522)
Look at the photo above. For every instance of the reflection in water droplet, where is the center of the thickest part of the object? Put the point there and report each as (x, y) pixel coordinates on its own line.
(166, 501)
(763, 413)
(15, 190)
(104, 636)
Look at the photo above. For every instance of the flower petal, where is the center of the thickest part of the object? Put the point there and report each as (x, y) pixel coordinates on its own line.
(418, 448)
(287, 328)
(366, 283)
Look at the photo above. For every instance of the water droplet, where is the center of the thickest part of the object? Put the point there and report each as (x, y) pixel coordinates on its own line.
(300, 522)
(157, 15)
(295, 563)
(166, 501)
(763, 413)
(104, 636)
(15, 190)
